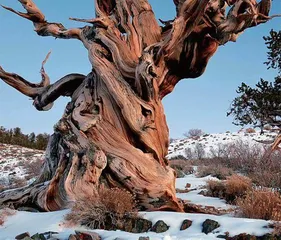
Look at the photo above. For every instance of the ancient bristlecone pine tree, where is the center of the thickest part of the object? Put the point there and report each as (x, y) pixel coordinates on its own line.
(114, 131)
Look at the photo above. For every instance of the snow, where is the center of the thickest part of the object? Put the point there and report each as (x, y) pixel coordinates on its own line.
(197, 185)
(33, 223)
(13, 160)
(213, 141)
(53, 221)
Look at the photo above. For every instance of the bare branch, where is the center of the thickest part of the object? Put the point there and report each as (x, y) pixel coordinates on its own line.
(43, 93)
(42, 27)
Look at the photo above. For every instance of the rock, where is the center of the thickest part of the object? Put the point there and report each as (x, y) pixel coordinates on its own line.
(87, 235)
(185, 224)
(243, 236)
(209, 226)
(143, 238)
(22, 236)
(38, 236)
(140, 225)
(188, 185)
(27, 209)
(159, 227)
(222, 236)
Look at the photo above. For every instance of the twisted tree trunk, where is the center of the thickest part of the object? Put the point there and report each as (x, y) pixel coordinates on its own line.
(114, 131)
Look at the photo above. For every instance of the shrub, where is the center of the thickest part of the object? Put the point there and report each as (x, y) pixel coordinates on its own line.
(110, 209)
(250, 130)
(234, 187)
(260, 204)
(193, 133)
(237, 186)
(215, 171)
(182, 167)
(216, 188)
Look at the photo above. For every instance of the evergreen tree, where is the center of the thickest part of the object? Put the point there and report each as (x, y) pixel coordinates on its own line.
(261, 105)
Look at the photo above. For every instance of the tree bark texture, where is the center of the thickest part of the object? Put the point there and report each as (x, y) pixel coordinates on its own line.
(114, 131)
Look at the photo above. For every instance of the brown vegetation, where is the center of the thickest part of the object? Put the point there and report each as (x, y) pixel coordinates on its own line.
(253, 161)
(182, 167)
(234, 187)
(214, 170)
(260, 204)
(110, 209)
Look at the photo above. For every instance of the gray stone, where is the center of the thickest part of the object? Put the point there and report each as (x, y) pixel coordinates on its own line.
(209, 226)
(185, 224)
(22, 236)
(141, 225)
(159, 227)
(38, 236)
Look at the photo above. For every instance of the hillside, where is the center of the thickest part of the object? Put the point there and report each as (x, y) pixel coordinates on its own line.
(209, 145)
(18, 164)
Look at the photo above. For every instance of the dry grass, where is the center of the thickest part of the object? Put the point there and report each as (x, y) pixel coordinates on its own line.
(182, 167)
(4, 213)
(260, 204)
(261, 165)
(110, 209)
(234, 187)
(214, 170)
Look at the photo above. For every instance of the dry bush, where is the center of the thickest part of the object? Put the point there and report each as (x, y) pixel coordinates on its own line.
(234, 187)
(260, 204)
(4, 213)
(265, 178)
(237, 186)
(214, 170)
(250, 130)
(254, 161)
(194, 133)
(182, 167)
(276, 228)
(111, 209)
(216, 188)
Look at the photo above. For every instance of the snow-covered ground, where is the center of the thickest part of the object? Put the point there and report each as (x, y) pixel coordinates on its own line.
(13, 157)
(197, 185)
(54, 221)
(211, 142)
(13, 160)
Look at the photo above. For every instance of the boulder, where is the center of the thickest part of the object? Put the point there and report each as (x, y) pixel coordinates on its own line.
(87, 235)
(159, 227)
(141, 225)
(209, 226)
(185, 224)
(22, 236)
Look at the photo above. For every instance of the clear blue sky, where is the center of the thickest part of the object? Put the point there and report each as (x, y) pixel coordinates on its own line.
(197, 103)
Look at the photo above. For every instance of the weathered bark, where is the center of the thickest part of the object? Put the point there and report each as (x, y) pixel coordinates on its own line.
(114, 130)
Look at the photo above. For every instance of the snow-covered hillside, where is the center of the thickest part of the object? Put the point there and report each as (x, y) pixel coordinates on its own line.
(210, 143)
(15, 161)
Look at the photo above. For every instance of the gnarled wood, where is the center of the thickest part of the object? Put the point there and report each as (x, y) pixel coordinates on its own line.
(114, 131)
